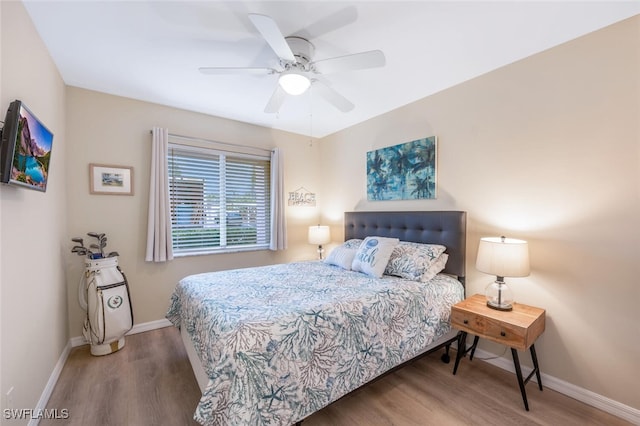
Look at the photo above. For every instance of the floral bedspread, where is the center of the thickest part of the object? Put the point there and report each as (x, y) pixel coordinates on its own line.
(281, 342)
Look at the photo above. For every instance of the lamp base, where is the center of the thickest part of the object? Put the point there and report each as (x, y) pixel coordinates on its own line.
(499, 295)
(503, 307)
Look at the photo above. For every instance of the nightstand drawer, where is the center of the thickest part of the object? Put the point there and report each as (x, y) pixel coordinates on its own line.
(505, 334)
(466, 320)
(488, 328)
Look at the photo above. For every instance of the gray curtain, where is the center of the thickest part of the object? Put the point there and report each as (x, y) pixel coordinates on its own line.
(159, 243)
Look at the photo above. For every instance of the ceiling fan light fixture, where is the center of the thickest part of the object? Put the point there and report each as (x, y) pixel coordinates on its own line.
(294, 83)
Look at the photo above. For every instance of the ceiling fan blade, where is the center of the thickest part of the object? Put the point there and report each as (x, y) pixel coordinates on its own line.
(333, 97)
(356, 61)
(272, 35)
(236, 70)
(276, 100)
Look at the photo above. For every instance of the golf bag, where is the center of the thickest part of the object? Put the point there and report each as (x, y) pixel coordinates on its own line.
(104, 295)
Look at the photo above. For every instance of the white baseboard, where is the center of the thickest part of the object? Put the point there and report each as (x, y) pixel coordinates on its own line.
(137, 328)
(608, 405)
(51, 383)
(151, 325)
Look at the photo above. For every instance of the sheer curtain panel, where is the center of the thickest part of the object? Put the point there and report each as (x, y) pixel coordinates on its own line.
(278, 222)
(159, 244)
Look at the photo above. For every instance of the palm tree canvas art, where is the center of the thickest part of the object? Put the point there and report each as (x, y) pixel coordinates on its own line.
(403, 172)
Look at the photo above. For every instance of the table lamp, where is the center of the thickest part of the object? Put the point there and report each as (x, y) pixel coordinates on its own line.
(319, 235)
(502, 257)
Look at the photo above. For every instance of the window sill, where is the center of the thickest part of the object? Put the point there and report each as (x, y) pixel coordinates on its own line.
(221, 251)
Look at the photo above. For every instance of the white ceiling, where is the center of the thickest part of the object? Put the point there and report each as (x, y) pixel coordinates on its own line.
(151, 50)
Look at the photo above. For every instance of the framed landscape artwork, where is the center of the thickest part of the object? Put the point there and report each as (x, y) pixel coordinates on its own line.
(110, 180)
(403, 172)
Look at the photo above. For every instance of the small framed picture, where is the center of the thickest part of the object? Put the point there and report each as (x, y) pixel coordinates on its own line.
(110, 180)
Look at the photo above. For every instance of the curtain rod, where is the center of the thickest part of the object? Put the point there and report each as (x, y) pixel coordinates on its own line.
(216, 142)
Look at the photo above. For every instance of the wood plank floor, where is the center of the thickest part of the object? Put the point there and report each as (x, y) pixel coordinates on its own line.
(150, 382)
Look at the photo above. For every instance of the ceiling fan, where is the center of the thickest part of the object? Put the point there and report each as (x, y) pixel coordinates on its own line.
(297, 69)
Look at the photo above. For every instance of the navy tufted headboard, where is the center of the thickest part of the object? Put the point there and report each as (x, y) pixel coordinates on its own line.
(448, 228)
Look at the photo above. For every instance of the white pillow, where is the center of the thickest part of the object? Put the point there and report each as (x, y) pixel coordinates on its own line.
(436, 267)
(373, 255)
(341, 256)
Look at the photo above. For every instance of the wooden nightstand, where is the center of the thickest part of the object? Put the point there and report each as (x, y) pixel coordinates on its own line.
(517, 329)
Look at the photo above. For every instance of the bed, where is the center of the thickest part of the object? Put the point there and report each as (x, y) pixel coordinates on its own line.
(273, 344)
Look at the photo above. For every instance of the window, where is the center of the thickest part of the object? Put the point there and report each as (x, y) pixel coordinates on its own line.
(220, 200)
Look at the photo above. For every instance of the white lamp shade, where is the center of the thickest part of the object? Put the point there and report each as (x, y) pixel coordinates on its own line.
(293, 83)
(503, 257)
(319, 235)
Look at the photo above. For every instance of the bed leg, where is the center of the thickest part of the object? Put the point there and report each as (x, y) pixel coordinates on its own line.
(445, 356)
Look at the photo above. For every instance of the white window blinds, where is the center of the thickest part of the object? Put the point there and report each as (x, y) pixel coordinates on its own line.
(220, 201)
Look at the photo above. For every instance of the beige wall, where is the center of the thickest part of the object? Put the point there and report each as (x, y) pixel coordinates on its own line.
(114, 130)
(32, 224)
(546, 149)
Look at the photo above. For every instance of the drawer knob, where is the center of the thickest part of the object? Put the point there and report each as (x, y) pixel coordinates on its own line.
(502, 333)
(466, 321)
